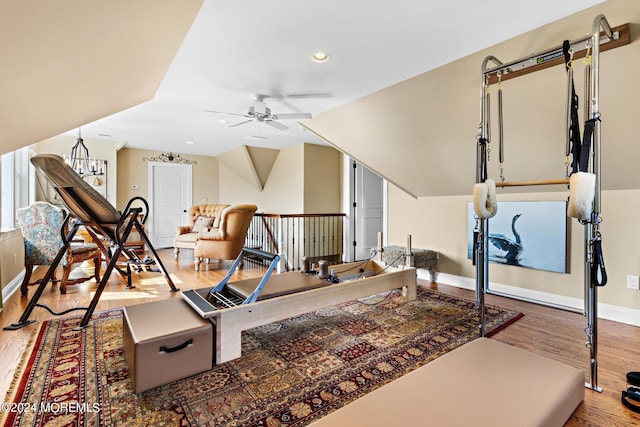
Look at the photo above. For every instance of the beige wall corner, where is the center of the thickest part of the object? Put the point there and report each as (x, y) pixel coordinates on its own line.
(263, 160)
(304, 178)
(252, 164)
(282, 192)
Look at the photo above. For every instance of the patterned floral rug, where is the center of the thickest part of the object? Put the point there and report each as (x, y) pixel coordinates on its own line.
(291, 372)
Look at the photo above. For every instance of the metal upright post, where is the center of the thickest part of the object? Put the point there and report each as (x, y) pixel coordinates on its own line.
(591, 228)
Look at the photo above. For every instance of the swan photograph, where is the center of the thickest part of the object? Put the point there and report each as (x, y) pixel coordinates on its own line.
(526, 234)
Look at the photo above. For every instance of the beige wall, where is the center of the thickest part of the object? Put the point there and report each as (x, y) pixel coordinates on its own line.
(305, 178)
(322, 179)
(132, 169)
(11, 257)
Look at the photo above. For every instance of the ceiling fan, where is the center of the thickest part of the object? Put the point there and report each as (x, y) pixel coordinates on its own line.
(262, 114)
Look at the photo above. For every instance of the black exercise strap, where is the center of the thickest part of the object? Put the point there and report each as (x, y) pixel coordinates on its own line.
(598, 272)
(585, 151)
(574, 127)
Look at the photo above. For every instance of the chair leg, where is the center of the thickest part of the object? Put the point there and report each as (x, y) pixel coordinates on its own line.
(97, 262)
(66, 271)
(196, 262)
(24, 287)
(176, 251)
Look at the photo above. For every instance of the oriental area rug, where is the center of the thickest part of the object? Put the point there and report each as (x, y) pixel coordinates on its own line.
(292, 372)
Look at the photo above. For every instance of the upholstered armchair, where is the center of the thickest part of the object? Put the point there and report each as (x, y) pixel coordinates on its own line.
(42, 231)
(215, 231)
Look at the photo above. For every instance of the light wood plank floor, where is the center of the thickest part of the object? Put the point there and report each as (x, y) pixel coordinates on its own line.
(553, 333)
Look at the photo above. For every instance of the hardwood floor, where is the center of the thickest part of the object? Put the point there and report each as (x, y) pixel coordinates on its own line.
(550, 332)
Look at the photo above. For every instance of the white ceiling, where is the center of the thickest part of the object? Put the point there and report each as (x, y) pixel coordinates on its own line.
(236, 49)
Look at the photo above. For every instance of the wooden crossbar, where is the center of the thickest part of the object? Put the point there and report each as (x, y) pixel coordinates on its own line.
(531, 183)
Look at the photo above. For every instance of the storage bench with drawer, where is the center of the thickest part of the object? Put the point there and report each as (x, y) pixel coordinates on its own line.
(165, 341)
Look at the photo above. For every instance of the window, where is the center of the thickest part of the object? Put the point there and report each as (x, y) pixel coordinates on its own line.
(15, 186)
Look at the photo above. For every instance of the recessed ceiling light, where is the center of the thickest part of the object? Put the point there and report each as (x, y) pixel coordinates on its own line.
(189, 142)
(223, 121)
(320, 57)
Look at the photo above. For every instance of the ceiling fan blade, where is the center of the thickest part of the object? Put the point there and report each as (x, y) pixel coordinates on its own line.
(308, 95)
(241, 123)
(225, 112)
(291, 116)
(277, 125)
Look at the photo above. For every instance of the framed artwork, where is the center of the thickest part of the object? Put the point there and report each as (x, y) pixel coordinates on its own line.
(529, 234)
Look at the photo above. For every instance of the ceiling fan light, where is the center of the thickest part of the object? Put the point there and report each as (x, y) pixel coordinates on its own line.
(255, 137)
(320, 57)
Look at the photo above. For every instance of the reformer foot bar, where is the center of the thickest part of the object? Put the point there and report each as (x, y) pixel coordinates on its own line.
(594, 43)
(220, 298)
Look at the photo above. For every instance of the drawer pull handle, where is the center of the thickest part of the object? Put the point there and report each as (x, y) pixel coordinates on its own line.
(177, 348)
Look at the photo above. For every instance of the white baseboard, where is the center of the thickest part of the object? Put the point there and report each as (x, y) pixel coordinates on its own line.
(605, 311)
(12, 287)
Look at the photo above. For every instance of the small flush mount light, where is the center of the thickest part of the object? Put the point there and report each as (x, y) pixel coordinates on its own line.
(255, 138)
(189, 142)
(320, 57)
(223, 121)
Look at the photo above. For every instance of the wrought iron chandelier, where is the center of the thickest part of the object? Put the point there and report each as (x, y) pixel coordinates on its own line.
(81, 162)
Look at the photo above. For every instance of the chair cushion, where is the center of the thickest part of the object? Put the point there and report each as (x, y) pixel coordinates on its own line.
(202, 223)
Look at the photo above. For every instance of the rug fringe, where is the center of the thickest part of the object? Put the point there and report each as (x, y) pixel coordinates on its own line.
(20, 370)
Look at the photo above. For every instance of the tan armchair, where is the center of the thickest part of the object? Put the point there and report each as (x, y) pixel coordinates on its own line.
(215, 231)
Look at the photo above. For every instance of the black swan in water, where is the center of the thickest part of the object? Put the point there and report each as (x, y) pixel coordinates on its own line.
(513, 248)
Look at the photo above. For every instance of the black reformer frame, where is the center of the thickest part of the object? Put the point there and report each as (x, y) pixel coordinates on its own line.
(502, 71)
(102, 221)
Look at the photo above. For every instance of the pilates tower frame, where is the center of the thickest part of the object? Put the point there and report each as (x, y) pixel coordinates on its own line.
(503, 71)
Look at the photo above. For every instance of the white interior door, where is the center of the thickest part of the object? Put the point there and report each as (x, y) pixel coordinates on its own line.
(369, 210)
(170, 200)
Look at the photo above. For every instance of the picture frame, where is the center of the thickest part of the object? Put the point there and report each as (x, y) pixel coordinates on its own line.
(528, 234)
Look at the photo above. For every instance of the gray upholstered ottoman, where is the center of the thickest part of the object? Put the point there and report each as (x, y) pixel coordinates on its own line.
(422, 258)
(165, 341)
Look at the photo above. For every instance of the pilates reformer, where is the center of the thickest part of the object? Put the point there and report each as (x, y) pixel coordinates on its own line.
(244, 304)
(108, 228)
(587, 47)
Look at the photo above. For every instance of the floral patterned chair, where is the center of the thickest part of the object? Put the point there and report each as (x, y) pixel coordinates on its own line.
(41, 225)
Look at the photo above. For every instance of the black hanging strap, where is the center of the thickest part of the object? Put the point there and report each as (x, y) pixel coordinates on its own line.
(574, 127)
(585, 151)
(598, 271)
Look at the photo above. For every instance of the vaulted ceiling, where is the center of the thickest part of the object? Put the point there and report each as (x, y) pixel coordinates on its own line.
(144, 72)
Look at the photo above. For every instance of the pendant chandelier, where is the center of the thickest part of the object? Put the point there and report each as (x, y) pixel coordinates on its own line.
(81, 162)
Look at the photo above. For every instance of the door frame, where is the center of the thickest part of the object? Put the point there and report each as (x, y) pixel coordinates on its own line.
(349, 198)
(150, 226)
